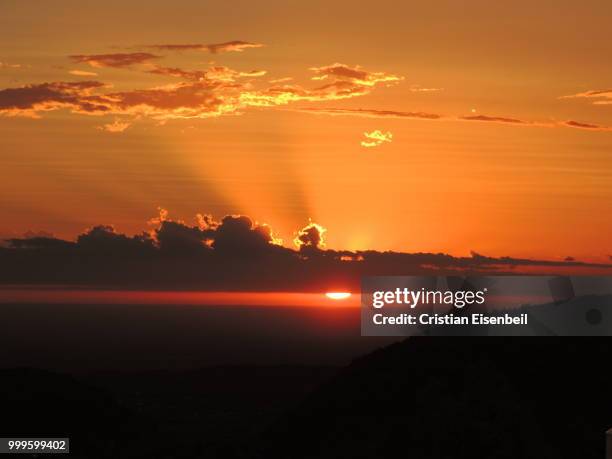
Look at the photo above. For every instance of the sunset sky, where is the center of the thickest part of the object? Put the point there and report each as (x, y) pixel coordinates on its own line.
(418, 126)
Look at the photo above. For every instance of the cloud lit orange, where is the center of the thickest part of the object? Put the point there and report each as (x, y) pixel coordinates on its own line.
(266, 119)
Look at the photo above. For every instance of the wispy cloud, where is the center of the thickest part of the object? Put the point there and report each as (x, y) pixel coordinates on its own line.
(228, 46)
(82, 73)
(355, 75)
(602, 96)
(370, 113)
(8, 65)
(419, 88)
(342, 82)
(280, 80)
(219, 90)
(219, 73)
(116, 60)
(117, 126)
(407, 115)
(215, 91)
(376, 138)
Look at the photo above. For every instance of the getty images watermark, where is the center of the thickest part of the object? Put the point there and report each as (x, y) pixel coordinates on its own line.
(486, 305)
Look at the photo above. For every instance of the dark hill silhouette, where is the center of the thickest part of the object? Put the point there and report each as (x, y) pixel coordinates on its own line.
(44, 404)
(435, 397)
(425, 397)
(212, 412)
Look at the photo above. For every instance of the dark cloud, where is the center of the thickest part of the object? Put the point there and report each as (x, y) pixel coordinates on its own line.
(184, 100)
(29, 99)
(233, 254)
(104, 239)
(31, 234)
(235, 236)
(587, 126)
(176, 237)
(310, 237)
(239, 236)
(39, 242)
(117, 60)
(494, 119)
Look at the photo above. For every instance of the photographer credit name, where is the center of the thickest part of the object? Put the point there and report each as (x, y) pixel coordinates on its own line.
(449, 319)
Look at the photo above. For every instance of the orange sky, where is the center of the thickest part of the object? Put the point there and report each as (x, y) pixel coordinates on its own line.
(507, 165)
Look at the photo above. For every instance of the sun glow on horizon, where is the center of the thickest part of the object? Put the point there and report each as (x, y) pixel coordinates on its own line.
(338, 295)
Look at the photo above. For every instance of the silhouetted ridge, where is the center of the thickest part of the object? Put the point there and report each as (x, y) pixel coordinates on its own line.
(43, 404)
(435, 397)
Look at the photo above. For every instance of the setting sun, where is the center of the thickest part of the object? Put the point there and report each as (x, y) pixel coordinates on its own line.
(338, 295)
